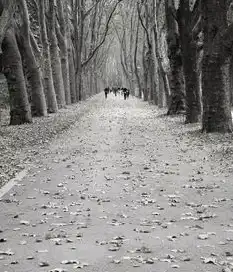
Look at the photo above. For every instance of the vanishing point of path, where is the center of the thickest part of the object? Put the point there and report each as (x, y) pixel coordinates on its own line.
(123, 190)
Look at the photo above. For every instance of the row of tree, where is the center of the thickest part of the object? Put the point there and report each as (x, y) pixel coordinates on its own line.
(174, 53)
(52, 52)
(178, 53)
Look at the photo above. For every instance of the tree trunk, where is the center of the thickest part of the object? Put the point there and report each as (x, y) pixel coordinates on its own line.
(38, 106)
(55, 57)
(20, 112)
(136, 62)
(79, 36)
(65, 68)
(189, 58)
(163, 78)
(73, 92)
(63, 44)
(145, 73)
(176, 77)
(216, 96)
(193, 105)
(47, 70)
(218, 38)
(231, 79)
(161, 89)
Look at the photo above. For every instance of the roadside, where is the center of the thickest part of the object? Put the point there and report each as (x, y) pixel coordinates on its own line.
(19, 144)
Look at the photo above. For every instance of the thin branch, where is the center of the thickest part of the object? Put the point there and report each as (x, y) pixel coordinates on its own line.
(144, 27)
(91, 8)
(104, 37)
(34, 43)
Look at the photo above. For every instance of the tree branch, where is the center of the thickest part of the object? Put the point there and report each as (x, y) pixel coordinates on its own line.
(91, 8)
(144, 27)
(91, 55)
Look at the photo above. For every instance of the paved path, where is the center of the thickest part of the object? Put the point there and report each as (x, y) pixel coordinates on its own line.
(124, 190)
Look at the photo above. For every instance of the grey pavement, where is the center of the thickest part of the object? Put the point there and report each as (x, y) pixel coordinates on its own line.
(125, 189)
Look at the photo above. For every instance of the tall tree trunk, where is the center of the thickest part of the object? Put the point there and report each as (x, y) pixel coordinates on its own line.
(79, 33)
(231, 79)
(39, 107)
(189, 58)
(55, 57)
(63, 44)
(176, 77)
(73, 91)
(166, 85)
(145, 73)
(163, 88)
(20, 111)
(218, 39)
(136, 62)
(46, 64)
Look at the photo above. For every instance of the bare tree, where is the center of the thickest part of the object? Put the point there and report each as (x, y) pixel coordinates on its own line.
(46, 62)
(20, 111)
(189, 22)
(175, 58)
(62, 28)
(39, 107)
(218, 43)
(55, 57)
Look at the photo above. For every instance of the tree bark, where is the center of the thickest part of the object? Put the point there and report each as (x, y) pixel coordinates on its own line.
(49, 90)
(63, 44)
(218, 43)
(55, 57)
(20, 111)
(73, 92)
(79, 32)
(231, 79)
(148, 59)
(39, 107)
(189, 58)
(7, 9)
(136, 62)
(174, 55)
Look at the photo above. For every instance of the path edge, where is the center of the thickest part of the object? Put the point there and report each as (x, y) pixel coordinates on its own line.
(11, 183)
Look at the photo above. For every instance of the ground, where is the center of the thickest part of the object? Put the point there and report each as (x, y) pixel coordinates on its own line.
(123, 189)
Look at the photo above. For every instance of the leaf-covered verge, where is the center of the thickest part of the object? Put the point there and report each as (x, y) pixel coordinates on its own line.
(19, 144)
(218, 147)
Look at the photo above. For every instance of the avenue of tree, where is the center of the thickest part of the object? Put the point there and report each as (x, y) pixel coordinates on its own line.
(172, 53)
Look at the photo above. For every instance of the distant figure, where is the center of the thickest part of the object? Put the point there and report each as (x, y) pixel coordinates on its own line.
(124, 93)
(106, 91)
(115, 91)
(127, 93)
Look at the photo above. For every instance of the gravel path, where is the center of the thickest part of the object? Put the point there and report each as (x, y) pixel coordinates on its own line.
(124, 189)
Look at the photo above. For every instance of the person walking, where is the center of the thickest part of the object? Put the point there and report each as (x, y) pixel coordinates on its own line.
(106, 91)
(125, 93)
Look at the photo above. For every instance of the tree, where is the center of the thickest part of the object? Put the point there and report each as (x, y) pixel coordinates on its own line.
(54, 54)
(189, 23)
(20, 111)
(46, 62)
(218, 42)
(62, 28)
(148, 56)
(175, 58)
(39, 107)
